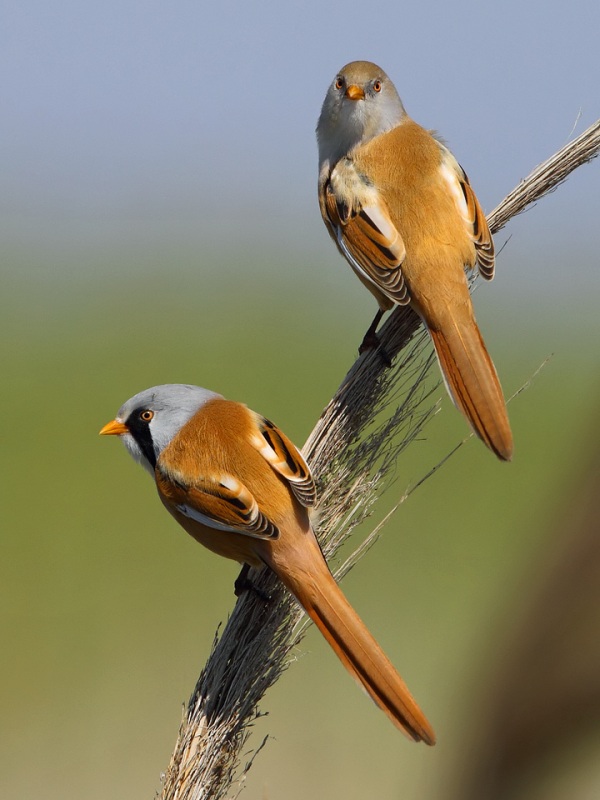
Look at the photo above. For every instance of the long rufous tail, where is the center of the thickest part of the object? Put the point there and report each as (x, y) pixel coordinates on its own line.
(324, 602)
(472, 382)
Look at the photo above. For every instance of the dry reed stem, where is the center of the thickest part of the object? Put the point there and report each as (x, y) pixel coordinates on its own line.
(375, 414)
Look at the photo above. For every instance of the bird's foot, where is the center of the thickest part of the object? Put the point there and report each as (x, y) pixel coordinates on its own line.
(243, 584)
(372, 342)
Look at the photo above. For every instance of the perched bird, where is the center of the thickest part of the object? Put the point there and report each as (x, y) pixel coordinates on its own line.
(402, 212)
(238, 485)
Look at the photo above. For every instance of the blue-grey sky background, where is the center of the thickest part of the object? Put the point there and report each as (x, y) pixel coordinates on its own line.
(134, 129)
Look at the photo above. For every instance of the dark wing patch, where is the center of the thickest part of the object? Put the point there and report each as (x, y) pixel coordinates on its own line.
(364, 230)
(480, 232)
(221, 502)
(285, 458)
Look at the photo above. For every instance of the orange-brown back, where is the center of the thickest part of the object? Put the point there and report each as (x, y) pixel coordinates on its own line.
(404, 165)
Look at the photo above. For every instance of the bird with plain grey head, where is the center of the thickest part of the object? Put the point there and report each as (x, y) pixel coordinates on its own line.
(402, 212)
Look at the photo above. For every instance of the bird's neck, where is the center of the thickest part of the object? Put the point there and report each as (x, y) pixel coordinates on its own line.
(340, 136)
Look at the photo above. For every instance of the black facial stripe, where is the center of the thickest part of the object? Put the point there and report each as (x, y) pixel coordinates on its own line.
(140, 430)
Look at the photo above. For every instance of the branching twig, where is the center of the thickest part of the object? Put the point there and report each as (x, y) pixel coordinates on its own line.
(352, 450)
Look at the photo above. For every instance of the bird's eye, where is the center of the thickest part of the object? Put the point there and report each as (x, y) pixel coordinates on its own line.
(377, 86)
(339, 83)
(146, 415)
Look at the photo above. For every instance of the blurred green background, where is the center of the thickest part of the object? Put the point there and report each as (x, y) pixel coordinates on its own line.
(128, 262)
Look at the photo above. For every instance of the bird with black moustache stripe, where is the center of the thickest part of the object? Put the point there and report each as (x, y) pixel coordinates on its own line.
(239, 486)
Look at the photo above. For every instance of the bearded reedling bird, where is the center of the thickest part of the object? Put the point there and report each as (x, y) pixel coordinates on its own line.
(238, 485)
(402, 212)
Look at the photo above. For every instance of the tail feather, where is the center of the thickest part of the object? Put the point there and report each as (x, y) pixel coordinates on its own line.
(358, 651)
(472, 383)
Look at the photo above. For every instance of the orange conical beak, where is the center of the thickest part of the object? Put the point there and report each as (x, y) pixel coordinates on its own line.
(354, 92)
(114, 428)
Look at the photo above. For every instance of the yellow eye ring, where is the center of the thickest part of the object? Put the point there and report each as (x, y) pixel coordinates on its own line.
(146, 415)
(377, 86)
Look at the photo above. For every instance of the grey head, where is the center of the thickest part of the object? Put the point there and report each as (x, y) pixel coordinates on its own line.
(154, 417)
(361, 103)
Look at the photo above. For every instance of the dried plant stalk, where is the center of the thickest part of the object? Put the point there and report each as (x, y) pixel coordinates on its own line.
(352, 450)
(547, 177)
